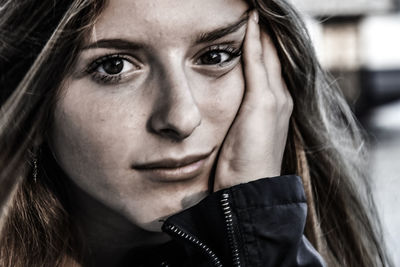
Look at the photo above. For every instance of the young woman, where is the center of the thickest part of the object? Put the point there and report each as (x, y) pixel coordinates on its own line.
(155, 133)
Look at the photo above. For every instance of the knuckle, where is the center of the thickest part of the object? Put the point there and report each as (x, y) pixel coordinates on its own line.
(290, 104)
(270, 102)
(256, 58)
(253, 59)
(281, 99)
(260, 58)
(288, 100)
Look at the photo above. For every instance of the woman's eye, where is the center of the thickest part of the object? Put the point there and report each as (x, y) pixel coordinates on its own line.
(215, 57)
(218, 55)
(111, 69)
(114, 66)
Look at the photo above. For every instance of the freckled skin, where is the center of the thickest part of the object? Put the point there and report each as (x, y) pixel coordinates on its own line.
(101, 131)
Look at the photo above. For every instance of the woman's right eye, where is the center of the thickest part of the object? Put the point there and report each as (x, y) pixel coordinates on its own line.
(113, 66)
(111, 69)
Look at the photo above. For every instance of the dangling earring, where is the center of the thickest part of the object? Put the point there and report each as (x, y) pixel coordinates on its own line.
(35, 168)
(35, 155)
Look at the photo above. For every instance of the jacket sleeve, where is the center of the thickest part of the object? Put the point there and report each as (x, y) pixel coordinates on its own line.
(260, 223)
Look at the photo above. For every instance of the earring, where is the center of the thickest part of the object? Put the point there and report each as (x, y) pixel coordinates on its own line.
(35, 168)
(35, 155)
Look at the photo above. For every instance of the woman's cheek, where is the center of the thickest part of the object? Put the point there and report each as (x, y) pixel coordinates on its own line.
(225, 95)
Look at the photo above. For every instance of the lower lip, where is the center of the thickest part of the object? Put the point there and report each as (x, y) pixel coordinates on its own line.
(176, 174)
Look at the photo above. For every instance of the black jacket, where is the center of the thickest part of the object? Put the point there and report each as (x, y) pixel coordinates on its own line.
(259, 223)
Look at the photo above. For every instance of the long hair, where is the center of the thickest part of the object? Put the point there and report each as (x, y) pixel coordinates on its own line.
(40, 41)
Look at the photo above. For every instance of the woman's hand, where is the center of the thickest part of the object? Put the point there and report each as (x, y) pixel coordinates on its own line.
(254, 145)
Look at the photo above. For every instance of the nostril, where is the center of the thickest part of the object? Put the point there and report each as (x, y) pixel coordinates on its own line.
(168, 131)
(171, 133)
(175, 118)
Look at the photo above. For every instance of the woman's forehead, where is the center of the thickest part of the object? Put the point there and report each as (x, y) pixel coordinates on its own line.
(151, 20)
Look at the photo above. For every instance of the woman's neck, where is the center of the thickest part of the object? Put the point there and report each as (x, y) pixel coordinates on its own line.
(107, 236)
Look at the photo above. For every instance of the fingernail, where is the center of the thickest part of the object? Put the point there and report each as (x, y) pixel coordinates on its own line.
(254, 15)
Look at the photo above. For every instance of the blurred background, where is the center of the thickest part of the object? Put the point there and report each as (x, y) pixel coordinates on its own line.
(358, 42)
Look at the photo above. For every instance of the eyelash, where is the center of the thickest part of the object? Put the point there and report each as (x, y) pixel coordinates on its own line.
(224, 48)
(107, 78)
(112, 79)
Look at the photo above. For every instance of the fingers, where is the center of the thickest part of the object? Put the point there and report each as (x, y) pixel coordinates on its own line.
(262, 67)
(271, 60)
(253, 57)
(274, 69)
(255, 143)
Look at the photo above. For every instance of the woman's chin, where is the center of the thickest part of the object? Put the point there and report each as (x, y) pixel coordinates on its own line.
(155, 223)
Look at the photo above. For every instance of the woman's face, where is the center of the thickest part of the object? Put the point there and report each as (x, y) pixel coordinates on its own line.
(144, 112)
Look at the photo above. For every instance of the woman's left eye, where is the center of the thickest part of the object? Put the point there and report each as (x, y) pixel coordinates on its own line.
(218, 56)
(214, 57)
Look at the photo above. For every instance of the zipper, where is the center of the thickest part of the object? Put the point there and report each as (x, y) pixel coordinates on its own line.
(194, 240)
(226, 208)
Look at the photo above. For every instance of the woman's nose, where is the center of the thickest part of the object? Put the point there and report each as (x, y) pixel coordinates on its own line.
(176, 114)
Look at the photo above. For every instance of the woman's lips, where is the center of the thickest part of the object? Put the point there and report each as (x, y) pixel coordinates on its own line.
(174, 169)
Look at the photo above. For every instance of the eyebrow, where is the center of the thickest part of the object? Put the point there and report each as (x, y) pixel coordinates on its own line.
(119, 44)
(221, 32)
(206, 37)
